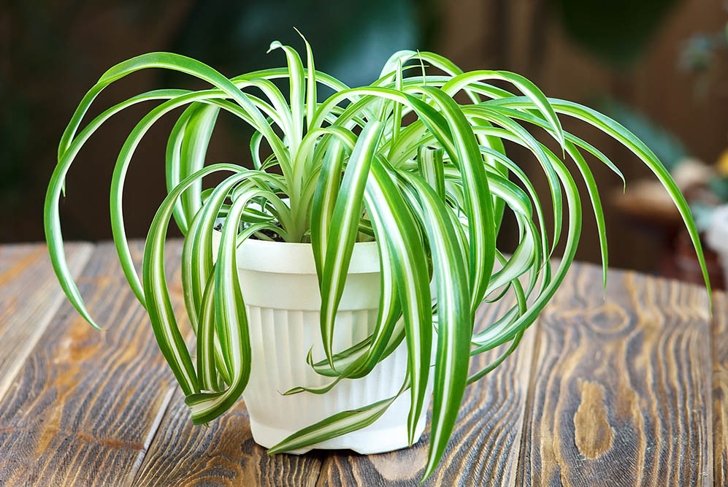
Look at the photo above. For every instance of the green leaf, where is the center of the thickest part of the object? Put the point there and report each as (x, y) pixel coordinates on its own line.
(478, 199)
(395, 224)
(341, 238)
(324, 199)
(68, 149)
(530, 90)
(454, 317)
(431, 167)
(192, 145)
(159, 305)
(637, 147)
(231, 322)
(296, 79)
(334, 426)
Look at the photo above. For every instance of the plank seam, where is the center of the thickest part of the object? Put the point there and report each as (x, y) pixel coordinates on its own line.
(8, 376)
(528, 405)
(151, 436)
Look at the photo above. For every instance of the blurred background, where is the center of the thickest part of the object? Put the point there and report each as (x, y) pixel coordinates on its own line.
(658, 66)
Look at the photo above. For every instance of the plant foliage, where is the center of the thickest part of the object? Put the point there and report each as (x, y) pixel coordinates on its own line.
(415, 160)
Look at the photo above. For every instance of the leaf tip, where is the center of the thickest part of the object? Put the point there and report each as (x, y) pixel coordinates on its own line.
(411, 427)
(273, 46)
(87, 317)
(301, 35)
(429, 470)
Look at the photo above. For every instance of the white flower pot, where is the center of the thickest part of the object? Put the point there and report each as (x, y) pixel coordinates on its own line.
(717, 237)
(281, 293)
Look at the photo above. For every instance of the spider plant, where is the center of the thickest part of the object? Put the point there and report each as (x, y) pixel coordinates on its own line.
(416, 161)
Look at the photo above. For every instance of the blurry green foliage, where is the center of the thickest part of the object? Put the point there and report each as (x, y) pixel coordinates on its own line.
(352, 38)
(232, 36)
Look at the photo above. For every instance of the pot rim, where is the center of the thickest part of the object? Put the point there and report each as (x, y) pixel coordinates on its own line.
(297, 258)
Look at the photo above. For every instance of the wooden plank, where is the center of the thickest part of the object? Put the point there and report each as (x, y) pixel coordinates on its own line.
(29, 296)
(223, 453)
(86, 404)
(720, 388)
(484, 447)
(621, 385)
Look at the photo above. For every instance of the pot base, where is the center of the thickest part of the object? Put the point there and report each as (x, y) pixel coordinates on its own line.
(367, 441)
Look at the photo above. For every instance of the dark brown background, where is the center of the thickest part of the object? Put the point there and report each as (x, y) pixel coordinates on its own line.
(52, 51)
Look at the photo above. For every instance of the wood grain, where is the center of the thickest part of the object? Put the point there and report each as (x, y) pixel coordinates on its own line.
(223, 453)
(85, 405)
(612, 388)
(29, 296)
(484, 447)
(620, 388)
(720, 388)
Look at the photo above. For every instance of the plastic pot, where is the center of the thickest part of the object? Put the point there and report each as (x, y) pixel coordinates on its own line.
(281, 293)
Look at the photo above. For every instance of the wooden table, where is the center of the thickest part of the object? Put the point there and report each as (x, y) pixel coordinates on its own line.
(627, 389)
